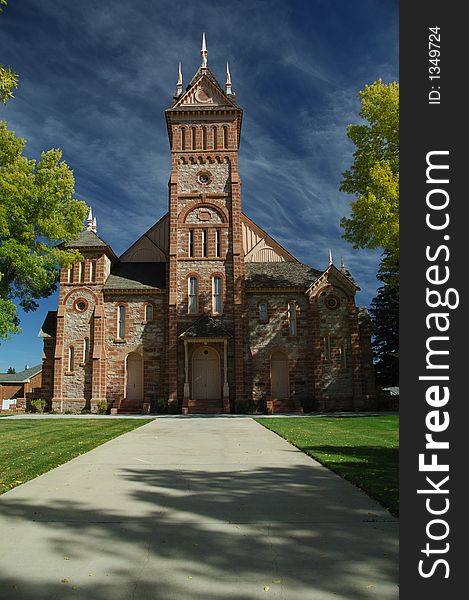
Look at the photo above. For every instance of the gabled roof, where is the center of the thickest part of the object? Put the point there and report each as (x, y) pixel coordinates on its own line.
(206, 327)
(22, 376)
(204, 78)
(203, 94)
(136, 276)
(344, 277)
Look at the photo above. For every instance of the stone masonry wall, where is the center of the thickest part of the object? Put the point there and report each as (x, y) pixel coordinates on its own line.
(145, 338)
(266, 338)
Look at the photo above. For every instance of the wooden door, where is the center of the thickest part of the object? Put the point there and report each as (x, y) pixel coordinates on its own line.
(279, 379)
(206, 374)
(134, 368)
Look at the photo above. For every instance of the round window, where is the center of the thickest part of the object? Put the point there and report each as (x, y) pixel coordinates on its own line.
(203, 178)
(81, 305)
(332, 302)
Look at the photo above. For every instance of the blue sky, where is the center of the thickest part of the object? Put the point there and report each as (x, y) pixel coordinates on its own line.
(95, 78)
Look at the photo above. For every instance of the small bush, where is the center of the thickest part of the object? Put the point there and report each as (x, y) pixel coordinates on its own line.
(161, 406)
(37, 406)
(173, 408)
(246, 407)
(102, 407)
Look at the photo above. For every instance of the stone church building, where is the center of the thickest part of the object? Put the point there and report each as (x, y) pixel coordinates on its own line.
(205, 311)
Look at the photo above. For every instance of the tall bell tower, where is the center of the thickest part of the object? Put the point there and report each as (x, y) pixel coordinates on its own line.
(205, 267)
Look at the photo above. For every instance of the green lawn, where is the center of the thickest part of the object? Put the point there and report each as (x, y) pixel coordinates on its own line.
(363, 450)
(30, 448)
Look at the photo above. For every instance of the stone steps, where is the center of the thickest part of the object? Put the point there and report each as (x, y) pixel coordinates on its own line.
(130, 407)
(205, 407)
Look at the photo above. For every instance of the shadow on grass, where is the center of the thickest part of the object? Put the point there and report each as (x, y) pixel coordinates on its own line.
(373, 469)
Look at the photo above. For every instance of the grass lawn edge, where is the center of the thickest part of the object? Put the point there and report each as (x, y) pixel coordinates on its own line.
(324, 463)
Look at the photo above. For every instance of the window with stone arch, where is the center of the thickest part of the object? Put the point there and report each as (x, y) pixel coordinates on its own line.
(194, 138)
(217, 295)
(215, 137)
(148, 312)
(204, 138)
(225, 136)
(71, 359)
(86, 349)
(183, 138)
(92, 271)
(121, 321)
(193, 295)
(292, 319)
(263, 313)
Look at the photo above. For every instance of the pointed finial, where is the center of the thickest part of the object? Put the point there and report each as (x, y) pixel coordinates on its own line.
(89, 221)
(228, 79)
(342, 264)
(204, 52)
(95, 225)
(179, 83)
(330, 258)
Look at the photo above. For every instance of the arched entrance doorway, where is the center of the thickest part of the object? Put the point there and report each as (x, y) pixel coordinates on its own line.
(206, 374)
(279, 379)
(134, 377)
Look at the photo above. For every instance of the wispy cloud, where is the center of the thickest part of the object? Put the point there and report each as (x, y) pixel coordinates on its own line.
(95, 78)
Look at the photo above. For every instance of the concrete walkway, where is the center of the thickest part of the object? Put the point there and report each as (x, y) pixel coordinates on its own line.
(195, 509)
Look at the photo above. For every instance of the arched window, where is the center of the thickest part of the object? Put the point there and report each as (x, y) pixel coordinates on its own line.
(71, 358)
(215, 137)
(263, 315)
(204, 242)
(218, 242)
(92, 271)
(86, 350)
(343, 355)
(81, 271)
(204, 138)
(327, 346)
(194, 139)
(120, 321)
(292, 318)
(191, 242)
(183, 138)
(225, 137)
(217, 295)
(70, 275)
(193, 292)
(148, 312)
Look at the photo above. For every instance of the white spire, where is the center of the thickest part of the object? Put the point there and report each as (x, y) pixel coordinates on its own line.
(330, 258)
(179, 83)
(204, 52)
(228, 79)
(89, 221)
(95, 225)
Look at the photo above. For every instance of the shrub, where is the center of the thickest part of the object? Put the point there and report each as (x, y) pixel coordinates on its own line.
(37, 406)
(161, 406)
(173, 408)
(246, 407)
(102, 407)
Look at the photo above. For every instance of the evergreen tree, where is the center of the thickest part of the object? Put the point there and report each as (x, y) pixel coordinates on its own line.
(11, 370)
(384, 312)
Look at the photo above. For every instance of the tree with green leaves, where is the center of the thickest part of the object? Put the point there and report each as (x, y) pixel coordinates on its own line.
(37, 211)
(374, 223)
(11, 371)
(8, 78)
(374, 175)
